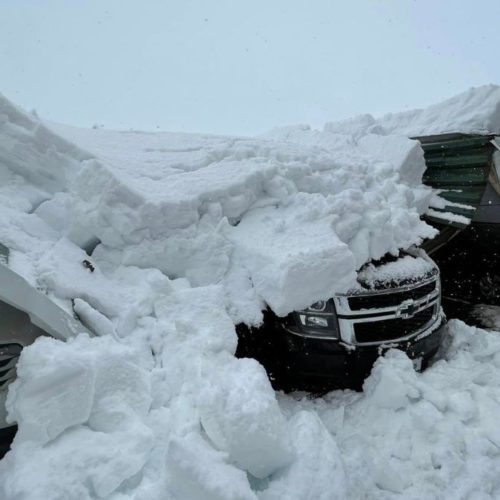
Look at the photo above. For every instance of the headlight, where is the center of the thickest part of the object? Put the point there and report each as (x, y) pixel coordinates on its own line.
(319, 320)
(314, 321)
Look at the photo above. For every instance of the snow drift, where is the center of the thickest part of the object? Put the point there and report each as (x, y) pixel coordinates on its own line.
(191, 234)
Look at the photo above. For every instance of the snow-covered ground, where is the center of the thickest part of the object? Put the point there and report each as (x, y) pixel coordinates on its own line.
(197, 233)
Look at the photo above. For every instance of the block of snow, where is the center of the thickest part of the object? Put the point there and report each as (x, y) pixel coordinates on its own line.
(197, 471)
(292, 257)
(241, 416)
(389, 385)
(61, 385)
(317, 472)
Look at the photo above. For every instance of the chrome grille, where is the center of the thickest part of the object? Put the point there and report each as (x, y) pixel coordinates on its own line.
(375, 318)
(391, 299)
(391, 329)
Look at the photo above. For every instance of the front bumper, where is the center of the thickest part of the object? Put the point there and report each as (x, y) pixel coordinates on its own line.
(311, 359)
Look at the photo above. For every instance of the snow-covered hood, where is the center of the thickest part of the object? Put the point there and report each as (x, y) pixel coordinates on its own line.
(394, 272)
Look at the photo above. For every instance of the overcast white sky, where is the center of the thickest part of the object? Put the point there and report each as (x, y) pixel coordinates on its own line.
(241, 67)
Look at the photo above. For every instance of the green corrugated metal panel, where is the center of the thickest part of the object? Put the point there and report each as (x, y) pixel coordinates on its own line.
(458, 211)
(441, 223)
(467, 195)
(457, 160)
(459, 166)
(433, 144)
(447, 177)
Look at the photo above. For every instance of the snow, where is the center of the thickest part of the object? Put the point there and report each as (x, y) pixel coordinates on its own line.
(90, 428)
(267, 210)
(242, 424)
(449, 216)
(192, 234)
(475, 111)
(407, 268)
(420, 435)
(318, 470)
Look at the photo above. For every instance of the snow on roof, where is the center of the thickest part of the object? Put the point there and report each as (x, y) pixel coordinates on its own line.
(476, 111)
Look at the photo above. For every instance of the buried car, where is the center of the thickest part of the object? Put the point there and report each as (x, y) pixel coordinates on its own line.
(397, 304)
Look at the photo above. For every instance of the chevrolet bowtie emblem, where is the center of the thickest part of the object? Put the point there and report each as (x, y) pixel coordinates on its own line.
(407, 309)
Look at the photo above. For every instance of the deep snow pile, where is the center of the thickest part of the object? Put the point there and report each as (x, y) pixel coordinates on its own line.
(429, 435)
(193, 234)
(118, 435)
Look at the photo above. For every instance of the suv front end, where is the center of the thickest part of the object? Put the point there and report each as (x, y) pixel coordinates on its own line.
(339, 339)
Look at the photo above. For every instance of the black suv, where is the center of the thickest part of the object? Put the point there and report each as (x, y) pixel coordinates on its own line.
(335, 341)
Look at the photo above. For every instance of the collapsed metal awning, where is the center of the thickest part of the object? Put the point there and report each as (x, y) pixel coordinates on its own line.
(43, 312)
(462, 168)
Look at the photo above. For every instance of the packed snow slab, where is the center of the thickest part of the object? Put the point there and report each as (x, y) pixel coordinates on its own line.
(319, 205)
(32, 151)
(476, 111)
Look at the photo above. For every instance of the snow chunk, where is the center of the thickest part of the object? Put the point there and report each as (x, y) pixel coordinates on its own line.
(91, 395)
(397, 150)
(74, 385)
(390, 386)
(292, 264)
(318, 470)
(240, 415)
(198, 472)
